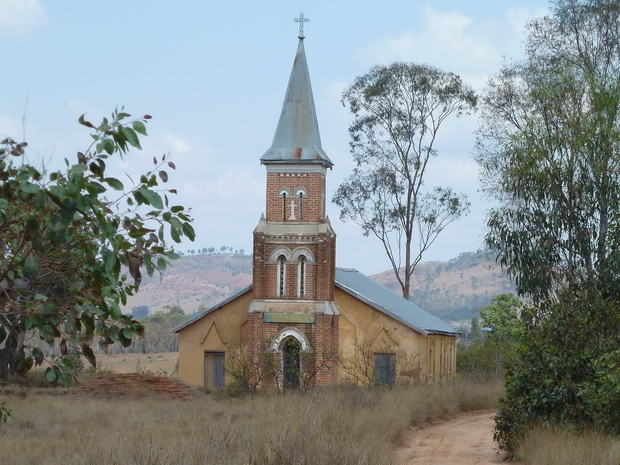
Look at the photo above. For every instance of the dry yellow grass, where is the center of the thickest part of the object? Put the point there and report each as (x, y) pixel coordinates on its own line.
(563, 447)
(334, 425)
(163, 363)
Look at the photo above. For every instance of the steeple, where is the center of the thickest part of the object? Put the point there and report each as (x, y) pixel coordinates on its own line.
(297, 138)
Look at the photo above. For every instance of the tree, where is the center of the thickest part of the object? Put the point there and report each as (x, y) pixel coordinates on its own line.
(74, 244)
(487, 353)
(475, 332)
(398, 110)
(549, 148)
(501, 318)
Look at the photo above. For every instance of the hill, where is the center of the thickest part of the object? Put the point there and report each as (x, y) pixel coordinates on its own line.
(193, 282)
(451, 290)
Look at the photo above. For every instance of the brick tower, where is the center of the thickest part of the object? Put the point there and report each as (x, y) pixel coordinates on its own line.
(293, 315)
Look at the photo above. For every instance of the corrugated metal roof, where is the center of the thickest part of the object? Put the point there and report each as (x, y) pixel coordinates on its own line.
(297, 137)
(369, 291)
(380, 297)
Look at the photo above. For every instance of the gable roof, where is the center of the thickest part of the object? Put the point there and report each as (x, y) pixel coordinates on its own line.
(368, 291)
(297, 137)
(381, 298)
(199, 315)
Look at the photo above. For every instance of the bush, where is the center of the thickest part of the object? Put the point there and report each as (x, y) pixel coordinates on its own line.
(566, 374)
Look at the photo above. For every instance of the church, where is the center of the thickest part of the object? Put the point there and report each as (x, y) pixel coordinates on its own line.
(303, 322)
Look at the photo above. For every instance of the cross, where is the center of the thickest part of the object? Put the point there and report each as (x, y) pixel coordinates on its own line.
(301, 20)
(292, 217)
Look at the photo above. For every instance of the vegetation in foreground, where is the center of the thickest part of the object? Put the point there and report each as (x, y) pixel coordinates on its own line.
(549, 148)
(564, 447)
(74, 244)
(344, 425)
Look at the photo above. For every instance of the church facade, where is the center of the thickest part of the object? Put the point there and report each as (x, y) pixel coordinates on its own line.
(303, 322)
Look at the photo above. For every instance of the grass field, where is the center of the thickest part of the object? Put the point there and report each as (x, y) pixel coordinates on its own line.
(332, 425)
(164, 363)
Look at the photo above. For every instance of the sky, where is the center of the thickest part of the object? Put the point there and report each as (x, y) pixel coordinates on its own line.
(213, 76)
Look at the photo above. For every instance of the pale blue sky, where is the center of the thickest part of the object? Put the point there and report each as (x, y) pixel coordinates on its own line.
(213, 76)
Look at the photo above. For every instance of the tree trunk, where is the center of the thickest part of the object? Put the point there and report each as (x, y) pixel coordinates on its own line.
(12, 354)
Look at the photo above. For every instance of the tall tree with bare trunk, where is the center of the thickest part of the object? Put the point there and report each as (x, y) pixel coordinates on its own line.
(398, 110)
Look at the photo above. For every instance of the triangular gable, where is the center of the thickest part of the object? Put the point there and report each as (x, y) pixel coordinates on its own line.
(388, 338)
(220, 333)
(198, 316)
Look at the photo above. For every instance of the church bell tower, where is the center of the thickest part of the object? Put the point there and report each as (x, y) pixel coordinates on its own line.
(294, 243)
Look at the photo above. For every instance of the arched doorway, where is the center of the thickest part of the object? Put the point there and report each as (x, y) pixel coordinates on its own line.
(291, 361)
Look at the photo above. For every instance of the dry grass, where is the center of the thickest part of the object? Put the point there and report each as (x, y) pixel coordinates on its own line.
(161, 363)
(562, 447)
(335, 425)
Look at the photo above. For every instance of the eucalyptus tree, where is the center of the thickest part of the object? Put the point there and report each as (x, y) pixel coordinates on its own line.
(549, 149)
(74, 244)
(398, 111)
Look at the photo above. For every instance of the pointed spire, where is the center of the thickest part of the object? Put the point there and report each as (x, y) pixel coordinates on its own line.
(297, 138)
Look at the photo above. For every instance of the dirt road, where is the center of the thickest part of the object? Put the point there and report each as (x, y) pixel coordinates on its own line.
(464, 440)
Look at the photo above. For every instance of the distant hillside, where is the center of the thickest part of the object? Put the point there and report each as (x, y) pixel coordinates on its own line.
(452, 290)
(192, 282)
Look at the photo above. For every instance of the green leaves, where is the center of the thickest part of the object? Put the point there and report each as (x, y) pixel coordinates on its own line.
(83, 122)
(114, 184)
(139, 127)
(397, 113)
(548, 145)
(51, 374)
(188, 230)
(64, 244)
(131, 137)
(31, 267)
(149, 197)
(38, 356)
(5, 413)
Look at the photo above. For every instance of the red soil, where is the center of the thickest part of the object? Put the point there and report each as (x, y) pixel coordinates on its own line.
(135, 386)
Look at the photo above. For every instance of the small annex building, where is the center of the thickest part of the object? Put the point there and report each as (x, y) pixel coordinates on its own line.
(303, 322)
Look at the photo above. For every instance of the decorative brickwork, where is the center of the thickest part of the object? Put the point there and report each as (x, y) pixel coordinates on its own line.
(318, 363)
(311, 183)
(280, 242)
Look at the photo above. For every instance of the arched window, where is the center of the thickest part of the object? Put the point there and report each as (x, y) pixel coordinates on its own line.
(301, 193)
(302, 276)
(281, 275)
(291, 362)
(284, 193)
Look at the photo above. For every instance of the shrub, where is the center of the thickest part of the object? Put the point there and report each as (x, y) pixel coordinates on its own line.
(566, 374)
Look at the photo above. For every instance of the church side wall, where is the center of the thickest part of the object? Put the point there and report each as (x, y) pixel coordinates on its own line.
(364, 331)
(441, 356)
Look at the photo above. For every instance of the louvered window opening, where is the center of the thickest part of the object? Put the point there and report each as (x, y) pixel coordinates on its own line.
(282, 262)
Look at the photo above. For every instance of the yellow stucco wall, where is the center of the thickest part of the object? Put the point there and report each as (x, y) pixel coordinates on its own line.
(220, 330)
(365, 331)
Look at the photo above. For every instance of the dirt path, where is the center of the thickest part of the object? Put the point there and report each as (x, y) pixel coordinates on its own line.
(464, 440)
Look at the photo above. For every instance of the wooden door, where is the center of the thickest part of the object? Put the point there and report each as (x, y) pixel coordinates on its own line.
(385, 369)
(214, 370)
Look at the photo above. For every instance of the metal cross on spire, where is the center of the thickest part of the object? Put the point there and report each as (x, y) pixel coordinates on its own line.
(301, 20)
